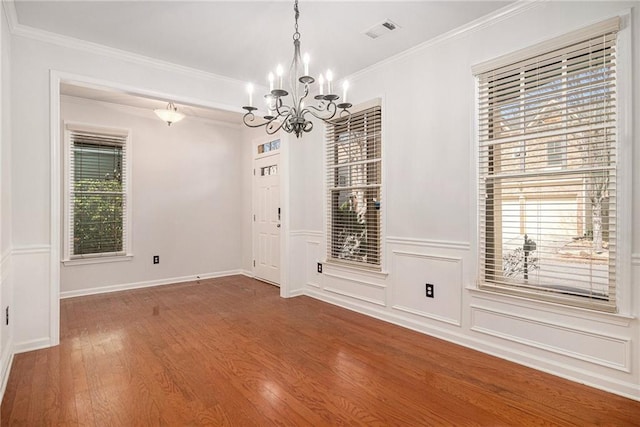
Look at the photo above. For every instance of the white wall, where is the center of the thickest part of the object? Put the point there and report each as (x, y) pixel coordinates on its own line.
(429, 205)
(6, 286)
(186, 198)
(428, 104)
(32, 61)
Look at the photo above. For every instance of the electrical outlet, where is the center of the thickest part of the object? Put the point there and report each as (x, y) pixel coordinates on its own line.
(319, 267)
(429, 290)
(156, 259)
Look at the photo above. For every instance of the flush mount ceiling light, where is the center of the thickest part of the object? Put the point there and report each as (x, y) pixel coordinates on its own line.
(291, 118)
(169, 114)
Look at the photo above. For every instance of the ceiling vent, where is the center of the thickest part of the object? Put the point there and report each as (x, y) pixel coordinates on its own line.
(381, 29)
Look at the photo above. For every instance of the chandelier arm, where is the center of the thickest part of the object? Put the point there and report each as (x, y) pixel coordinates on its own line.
(271, 130)
(320, 113)
(286, 110)
(306, 92)
(248, 119)
(308, 126)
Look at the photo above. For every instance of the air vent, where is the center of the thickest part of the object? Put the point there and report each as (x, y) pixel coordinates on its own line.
(381, 29)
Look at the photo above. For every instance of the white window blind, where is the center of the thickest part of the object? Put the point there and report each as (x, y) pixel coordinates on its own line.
(97, 188)
(354, 180)
(547, 172)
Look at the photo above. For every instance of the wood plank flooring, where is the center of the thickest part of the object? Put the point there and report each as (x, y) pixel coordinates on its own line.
(229, 351)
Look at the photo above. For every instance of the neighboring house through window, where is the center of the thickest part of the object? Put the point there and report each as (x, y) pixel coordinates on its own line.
(354, 182)
(96, 214)
(547, 170)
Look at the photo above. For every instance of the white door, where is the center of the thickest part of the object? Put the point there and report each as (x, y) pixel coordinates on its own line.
(267, 214)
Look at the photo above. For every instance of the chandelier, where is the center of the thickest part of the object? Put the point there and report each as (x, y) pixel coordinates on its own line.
(293, 118)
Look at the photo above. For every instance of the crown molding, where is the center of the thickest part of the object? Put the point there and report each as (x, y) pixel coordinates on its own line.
(11, 14)
(506, 12)
(18, 29)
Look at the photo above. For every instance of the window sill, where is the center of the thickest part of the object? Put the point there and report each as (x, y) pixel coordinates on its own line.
(372, 271)
(97, 260)
(552, 307)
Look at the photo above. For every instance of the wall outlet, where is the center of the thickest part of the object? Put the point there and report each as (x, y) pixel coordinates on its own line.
(429, 290)
(156, 259)
(319, 267)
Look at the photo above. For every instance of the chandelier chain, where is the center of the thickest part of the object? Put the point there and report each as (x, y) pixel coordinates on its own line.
(296, 35)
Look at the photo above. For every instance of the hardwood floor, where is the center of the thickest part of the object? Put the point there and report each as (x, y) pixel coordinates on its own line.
(229, 351)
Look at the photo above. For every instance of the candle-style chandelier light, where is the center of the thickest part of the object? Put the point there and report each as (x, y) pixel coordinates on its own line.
(292, 118)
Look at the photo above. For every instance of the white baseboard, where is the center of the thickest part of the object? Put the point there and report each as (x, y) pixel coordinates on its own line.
(296, 293)
(31, 345)
(622, 388)
(6, 361)
(247, 273)
(147, 284)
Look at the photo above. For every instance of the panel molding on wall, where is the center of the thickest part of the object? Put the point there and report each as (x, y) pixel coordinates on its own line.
(429, 243)
(362, 290)
(525, 330)
(6, 355)
(306, 233)
(31, 250)
(414, 268)
(312, 252)
(557, 311)
(31, 315)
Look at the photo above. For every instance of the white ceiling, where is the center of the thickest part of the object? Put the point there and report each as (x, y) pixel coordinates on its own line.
(246, 39)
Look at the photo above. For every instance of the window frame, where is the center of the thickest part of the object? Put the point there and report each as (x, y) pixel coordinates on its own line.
(96, 258)
(622, 274)
(353, 265)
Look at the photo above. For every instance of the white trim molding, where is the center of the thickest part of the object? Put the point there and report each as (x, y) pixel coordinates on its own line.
(506, 12)
(30, 250)
(306, 233)
(379, 288)
(552, 308)
(5, 369)
(149, 283)
(22, 30)
(37, 344)
(455, 291)
(623, 345)
(430, 243)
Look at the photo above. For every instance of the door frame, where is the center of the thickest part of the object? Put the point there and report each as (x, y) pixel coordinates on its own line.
(283, 168)
(57, 77)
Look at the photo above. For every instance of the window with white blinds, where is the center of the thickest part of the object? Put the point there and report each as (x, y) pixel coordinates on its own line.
(354, 180)
(97, 193)
(547, 172)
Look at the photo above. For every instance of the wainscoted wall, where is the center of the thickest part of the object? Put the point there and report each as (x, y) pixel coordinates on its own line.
(30, 267)
(416, 263)
(593, 348)
(430, 203)
(6, 349)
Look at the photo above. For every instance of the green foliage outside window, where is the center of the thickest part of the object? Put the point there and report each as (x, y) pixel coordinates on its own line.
(97, 216)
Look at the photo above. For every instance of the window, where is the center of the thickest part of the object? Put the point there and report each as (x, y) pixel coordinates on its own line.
(547, 170)
(96, 182)
(354, 179)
